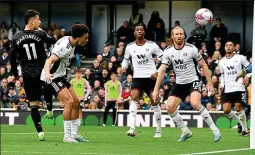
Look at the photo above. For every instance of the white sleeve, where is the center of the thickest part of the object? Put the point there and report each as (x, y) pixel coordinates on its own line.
(125, 62)
(157, 51)
(196, 55)
(59, 50)
(166, 58)
(244, 61)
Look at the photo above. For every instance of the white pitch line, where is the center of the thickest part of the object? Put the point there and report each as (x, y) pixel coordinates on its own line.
(214, 152)
(87, 153)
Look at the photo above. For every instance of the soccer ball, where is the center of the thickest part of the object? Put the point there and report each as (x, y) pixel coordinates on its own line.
(203, 16)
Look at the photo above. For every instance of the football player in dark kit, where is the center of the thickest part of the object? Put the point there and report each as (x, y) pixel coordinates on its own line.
(28, 50)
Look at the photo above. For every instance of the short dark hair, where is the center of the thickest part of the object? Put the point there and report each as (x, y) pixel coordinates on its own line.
(218, 18)
(29, 14)
(140, 24)
(78, 30)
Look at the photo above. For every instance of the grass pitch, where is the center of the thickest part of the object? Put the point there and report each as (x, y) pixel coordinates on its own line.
(22, 140)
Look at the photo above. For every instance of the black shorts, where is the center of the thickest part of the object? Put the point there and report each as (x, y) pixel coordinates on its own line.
(233, 97)
(57, 85)
(144, 85)
(111, 104)
(33, 89)
(183, 90)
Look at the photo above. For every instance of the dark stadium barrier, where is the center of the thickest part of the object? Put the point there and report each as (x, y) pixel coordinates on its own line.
(95, 118)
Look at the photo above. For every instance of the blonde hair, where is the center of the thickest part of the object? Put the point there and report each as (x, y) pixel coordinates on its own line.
(176, 27)
(215, 54)
(93, 104)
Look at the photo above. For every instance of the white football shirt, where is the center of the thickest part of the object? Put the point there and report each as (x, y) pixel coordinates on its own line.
(184, 62)
(142, 58)
(230, 68)
(64, 50)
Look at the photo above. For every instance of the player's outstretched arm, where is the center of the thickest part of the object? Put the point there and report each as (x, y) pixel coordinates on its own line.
(51, 60)
(208, 74)
(161, 74)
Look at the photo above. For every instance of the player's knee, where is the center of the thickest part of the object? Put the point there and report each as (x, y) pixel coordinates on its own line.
(69, 103)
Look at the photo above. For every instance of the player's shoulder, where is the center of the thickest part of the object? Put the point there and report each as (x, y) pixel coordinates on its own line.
(239, 57)
(130, 44)
(170, 47)
(63, 42)
(222, 60)
(17, 35)
(150, 42)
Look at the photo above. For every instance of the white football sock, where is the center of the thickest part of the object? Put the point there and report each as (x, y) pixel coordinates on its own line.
(74, 127)
(242, 118)
(233, 116)
(178, 121)
(157, 113)
(78, 123)
(132, 113)
(203, 112)
(67, 129)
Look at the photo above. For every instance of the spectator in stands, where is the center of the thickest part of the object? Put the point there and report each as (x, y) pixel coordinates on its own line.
(54, 29)
(4, 59)
(161, 97)
(156, 27)
(100, 59)
(111, 68)
(215, 60)
(2, 73)
(209, 106)
(63, 32)
(176, 23)
(121, 77)
(104, 77)
(4, 86)
(135, 17)
(78, 51)
(215, 82)
(5, 101)
(106, 53)
(121, 45)
(21, 103)
(163, 45)
(171, 81)
(101, 94)
(127, 82)
(205, 98)
(97, 101)
(199, 31)
(238, 48)
(3, 30)
(95, 90)
(163, 106)
(218, 102)
(12, 96)
(88, 76)
(186, 104)
(93, 105)
(8, 69)
(18, 89)
(119, 56)
(219, 32)
(143, 106)
(21, 81)
(13, 30)
(96, 70)
(217, 72)
(57, 36)
(125, 33)
(126, 93)
(10, 81)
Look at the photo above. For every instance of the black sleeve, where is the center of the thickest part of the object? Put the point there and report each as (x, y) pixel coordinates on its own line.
(13, 58)
(48, 38)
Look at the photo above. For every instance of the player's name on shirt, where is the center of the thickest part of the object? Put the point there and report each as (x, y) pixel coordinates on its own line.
(30, 36)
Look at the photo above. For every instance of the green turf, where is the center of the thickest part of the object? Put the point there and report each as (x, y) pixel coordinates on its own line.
(113, 141)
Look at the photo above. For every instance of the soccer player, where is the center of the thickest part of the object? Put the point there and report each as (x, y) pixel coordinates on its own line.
(113, 91)
(28, 48)
(185, 57)
(54, 73)
(79, 85)
(233, 89)
(141, 52)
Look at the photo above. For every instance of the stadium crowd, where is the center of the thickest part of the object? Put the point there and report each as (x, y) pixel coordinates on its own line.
(12, 93)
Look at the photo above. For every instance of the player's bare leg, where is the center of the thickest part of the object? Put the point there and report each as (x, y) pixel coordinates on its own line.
(172, 104)
(36, 117)
(134, 95)
(195, 100)
(75, 120)
(157, 114)
(241, 114)
(65, 97)
(227, 108)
